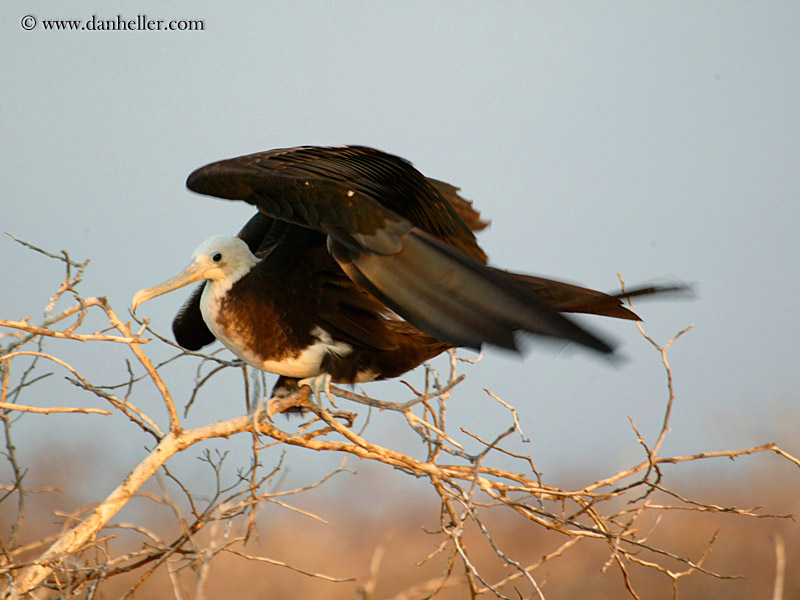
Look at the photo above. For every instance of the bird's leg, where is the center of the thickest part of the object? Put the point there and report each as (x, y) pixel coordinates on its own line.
(318, 384)
(287, 396)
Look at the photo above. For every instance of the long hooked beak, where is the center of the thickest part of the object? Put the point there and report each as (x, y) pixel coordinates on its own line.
(194, 272)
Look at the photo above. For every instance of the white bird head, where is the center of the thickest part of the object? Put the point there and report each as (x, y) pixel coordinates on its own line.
(221, 259)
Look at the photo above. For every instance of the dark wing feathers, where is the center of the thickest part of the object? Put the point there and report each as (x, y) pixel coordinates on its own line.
(456, 298)
(397, 236)
(353, 189)
(188, 326)
(356, 326)
(567, 297)
(463, 207)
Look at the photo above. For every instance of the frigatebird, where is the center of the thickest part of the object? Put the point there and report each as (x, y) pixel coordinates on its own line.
(356, 267)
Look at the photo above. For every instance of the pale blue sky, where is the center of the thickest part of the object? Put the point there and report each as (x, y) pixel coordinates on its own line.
(655, 139)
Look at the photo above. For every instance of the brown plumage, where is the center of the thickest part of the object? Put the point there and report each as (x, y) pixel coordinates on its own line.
(361, 269)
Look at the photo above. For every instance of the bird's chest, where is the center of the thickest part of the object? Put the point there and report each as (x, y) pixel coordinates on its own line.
(279, 337)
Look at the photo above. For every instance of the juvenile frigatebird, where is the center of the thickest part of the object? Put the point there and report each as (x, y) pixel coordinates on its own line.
(357, 268)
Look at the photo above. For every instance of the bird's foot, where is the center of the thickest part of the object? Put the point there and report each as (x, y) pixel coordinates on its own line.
(288, 401)
(320, 383)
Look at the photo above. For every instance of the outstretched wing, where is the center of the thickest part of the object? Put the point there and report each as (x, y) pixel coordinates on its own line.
(395, 235)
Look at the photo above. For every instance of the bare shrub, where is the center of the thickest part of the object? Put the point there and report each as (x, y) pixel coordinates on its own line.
(620, 515)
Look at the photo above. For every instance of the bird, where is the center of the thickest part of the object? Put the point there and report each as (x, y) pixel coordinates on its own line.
(356, 267)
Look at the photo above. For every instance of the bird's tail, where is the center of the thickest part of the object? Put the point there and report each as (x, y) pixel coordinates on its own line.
(566, 297)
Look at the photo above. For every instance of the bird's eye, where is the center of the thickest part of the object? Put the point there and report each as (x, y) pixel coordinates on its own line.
(217, 257)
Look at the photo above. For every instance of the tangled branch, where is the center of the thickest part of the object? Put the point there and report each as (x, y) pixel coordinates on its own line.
(620, 511)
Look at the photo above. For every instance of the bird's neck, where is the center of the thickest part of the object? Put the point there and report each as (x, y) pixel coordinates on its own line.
(216, 289)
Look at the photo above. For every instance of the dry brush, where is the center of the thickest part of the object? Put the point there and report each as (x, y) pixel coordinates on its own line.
(618, 512)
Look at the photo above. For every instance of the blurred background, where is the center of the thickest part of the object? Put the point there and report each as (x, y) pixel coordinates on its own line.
(658, 140)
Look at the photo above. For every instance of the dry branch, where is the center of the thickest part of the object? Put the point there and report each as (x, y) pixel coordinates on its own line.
(605, 511)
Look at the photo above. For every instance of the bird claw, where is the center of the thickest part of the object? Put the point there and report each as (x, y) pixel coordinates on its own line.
(293, 396)
(295, 402)
(320, 383)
